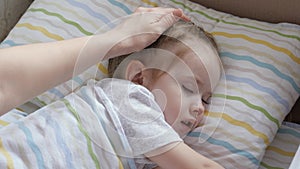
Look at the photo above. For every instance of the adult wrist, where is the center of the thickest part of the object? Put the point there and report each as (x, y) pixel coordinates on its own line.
(120, 44)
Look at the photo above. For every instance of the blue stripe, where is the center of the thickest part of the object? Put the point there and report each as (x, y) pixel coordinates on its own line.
(24, 114)
(289, 131)
(257, 86)
(60, 139)
(78, 80)
(11, 43)
(59, 93)
(90, 11)
(227, 145)
(92, 102)
(263, 65)
(120, 5)
(37, 152)
(56, 92)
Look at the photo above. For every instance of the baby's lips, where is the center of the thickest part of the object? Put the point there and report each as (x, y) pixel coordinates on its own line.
(187, 123)
(198, 120)
(190, 124)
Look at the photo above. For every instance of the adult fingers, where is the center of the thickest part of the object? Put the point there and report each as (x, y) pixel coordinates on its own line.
(172, 17)
(176, 12)
(179, 13)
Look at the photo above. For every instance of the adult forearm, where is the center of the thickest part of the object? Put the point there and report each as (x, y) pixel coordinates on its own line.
(27, 71)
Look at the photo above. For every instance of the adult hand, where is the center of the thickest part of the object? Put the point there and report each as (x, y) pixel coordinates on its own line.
(75, 55)
(142, 28)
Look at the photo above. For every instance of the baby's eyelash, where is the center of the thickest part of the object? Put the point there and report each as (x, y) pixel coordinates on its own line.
(187, 89)
(205, 102)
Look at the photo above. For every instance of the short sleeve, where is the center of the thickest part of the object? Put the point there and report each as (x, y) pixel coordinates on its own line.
(142, 120)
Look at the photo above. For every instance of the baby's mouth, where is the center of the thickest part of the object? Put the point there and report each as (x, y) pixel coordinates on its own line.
(194, 122)
(190, 123)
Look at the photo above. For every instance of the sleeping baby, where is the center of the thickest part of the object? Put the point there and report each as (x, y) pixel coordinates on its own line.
(135, 119)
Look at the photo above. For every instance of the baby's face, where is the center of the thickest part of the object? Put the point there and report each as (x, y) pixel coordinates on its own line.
(184, 91)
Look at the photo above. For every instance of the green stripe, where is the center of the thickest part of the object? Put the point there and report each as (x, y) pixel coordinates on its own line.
(73, 12)
(271, 118)
(84, 132)
(268, 166)
(40, 101)
(61, 18)
(233, 23)
(200, 12)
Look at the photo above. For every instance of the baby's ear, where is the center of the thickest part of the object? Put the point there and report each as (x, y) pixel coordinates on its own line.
(134, 72)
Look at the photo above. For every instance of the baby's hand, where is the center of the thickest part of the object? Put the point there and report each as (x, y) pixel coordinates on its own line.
(143, 27)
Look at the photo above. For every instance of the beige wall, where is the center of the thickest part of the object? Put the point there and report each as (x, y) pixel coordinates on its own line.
(10, 12)
(266, 10)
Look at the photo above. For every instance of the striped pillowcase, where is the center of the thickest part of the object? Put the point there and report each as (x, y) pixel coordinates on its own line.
(282, 150)
(260, 86)
(261, 63)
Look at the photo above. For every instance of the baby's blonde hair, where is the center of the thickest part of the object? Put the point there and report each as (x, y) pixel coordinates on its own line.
(175, 34)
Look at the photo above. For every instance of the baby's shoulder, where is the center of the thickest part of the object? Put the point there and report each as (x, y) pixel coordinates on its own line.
(124, 88)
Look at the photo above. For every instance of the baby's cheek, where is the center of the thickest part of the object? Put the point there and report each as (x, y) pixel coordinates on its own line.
(173, 108)
(160, 98)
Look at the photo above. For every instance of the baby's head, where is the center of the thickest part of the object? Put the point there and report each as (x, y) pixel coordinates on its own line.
(181, 69)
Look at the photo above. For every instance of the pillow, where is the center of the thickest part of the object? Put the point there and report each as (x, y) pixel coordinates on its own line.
(281, 152)
(261, 63)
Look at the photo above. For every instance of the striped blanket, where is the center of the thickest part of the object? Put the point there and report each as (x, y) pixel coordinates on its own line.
(101, 125)
(64, 134)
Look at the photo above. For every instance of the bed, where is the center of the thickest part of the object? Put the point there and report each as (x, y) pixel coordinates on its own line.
(253, 121)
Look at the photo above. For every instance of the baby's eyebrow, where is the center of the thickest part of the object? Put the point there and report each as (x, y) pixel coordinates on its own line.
(198, 79)
(201, 86)
(199, 82)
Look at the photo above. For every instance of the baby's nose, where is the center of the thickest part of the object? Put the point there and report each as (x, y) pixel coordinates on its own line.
(197, 109)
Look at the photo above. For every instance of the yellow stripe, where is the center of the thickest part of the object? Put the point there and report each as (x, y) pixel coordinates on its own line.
(3, 123)
(10, 164)
(264, 54)
(102, 68)
(258, 96)
(240, 124)
(280, 151)
(120, 164)
(258, 119)
(41, 29)
(28, 39)
(277, 48)
(237, 138)
(150, 3)
(265, 26)
(18, 108)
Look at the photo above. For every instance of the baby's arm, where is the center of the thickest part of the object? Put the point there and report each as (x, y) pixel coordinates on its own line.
(182, 156)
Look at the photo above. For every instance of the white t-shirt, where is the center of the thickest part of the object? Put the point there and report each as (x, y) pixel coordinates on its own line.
(132, 109)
